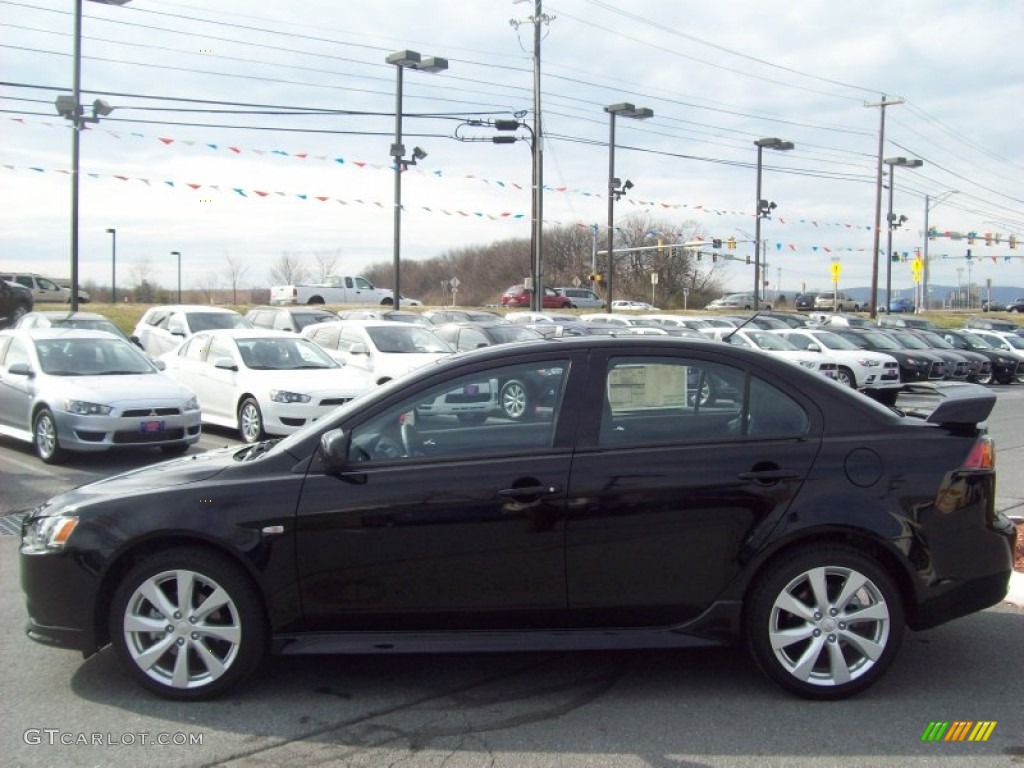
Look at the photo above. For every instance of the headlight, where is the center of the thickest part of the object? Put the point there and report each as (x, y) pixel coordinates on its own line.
(48, 534)
(809, 364)
(284, 396)
(192, 404)
(82, 408)
(916, 362)
(869, 363)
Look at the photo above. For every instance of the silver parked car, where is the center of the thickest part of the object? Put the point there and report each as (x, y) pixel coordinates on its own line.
(65, 389)
(162, 328)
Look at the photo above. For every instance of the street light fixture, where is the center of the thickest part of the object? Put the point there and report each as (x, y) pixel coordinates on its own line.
(617, 189)
(178, 254)
(405, 60)
(894, 221)
(763, 208)
(113, 264)
(70, 107)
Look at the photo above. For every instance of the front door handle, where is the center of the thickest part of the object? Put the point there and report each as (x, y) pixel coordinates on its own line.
(528, 492)
(768, 476)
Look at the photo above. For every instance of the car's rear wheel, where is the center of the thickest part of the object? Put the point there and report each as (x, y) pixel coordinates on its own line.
(188, 624)
(516, 401)
(845, 377)
(825, 623)
(250, 421)
(45, 440)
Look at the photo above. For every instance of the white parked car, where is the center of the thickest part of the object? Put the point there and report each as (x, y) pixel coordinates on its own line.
(1006, 342)
(262, 382)
(383, 349)
(65, 389)
(770, 342)
(525, 317)
(641, 306)
(862, 369)
(162, 328)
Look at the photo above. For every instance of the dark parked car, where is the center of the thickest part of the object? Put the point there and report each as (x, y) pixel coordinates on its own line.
(915, 365)
(15, 302)
(1004, 365)
(804, 302)
(1017, 305)
(797, 517)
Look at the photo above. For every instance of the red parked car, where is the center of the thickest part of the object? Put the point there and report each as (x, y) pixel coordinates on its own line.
(518, 296)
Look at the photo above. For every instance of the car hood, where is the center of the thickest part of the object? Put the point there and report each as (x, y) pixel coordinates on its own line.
(143, 388)
(166, 474)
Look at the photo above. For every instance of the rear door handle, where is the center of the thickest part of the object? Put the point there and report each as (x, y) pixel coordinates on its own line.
(528, 492)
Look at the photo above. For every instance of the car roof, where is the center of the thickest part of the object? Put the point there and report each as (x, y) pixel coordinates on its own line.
(61, 333)
(66, 314)
(191, 308)
(249, 333)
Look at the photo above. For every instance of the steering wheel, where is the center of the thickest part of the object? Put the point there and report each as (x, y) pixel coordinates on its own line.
(410, 440)
(387, 448)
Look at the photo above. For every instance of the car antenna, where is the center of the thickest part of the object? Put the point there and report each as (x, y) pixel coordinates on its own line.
(740, 326)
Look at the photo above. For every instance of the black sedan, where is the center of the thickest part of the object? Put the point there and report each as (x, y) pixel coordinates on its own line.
(915, 365)
(1004, 365)
(801, 519)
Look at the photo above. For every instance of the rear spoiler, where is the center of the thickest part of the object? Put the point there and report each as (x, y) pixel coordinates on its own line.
(952, 404)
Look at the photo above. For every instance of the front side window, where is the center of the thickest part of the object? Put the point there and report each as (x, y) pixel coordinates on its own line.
(508, 409)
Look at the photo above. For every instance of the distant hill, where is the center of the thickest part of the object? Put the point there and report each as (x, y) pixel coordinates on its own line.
(1002, 294)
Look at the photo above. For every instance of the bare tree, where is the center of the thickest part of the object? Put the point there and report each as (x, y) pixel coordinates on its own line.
(236, 271)
(143, 288)
(289, 269)
(208, 286)
(326, 261)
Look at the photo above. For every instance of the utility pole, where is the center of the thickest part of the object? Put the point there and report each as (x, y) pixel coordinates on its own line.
(878, 201)
(537, 229)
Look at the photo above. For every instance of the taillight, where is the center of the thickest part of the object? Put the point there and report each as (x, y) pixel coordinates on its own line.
(982, 455)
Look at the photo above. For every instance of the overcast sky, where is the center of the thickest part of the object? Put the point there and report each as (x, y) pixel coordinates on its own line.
(212, 150)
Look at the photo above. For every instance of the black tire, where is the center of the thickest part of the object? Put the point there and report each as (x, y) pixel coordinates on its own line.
(234, 633)
(45, 439)
(983, 378)
(821, 653)
(175, 450)
(515, 400)
(845, 377)
(386, 302)
(315, 301)
(250, 421)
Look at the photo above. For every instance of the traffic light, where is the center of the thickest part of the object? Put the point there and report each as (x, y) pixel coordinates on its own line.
(970, 237)
(1013, 241)
(895, 257)
(716, 243)
(597, 277)
(731, 244)
(748, 258)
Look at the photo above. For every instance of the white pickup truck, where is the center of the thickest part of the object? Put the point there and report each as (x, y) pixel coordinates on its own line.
(335, 289)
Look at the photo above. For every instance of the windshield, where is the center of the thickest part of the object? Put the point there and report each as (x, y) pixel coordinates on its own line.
(975, 342)
(834, 341)
(881, 341)
(91, 356)
(407, 339)
(771, 341)
(935, 340)
(1014, 341)
(910, 341)
(283, 354)
(208, 321)
(506, 333)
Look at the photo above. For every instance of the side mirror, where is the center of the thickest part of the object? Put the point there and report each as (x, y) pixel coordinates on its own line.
(813, 347)
(334, 450)
(21, 369)
(160, 365)
(225, 364)
(359, 348)
(177, 332)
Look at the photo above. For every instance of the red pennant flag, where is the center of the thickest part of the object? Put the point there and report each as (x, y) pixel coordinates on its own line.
(236, 150)
(165, 141)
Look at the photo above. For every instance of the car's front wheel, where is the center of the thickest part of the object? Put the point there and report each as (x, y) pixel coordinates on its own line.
(45, 440)
(515, 400)
(188, 624)
(250, 421)
(845, 377)
(824, 623)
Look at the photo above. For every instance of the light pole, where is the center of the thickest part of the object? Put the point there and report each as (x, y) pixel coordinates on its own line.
(178, 254)
(616, 188)
(894, 221)
(405, 60)
(70, 107)
(113, 264)
(763, 208)
(924, 251)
